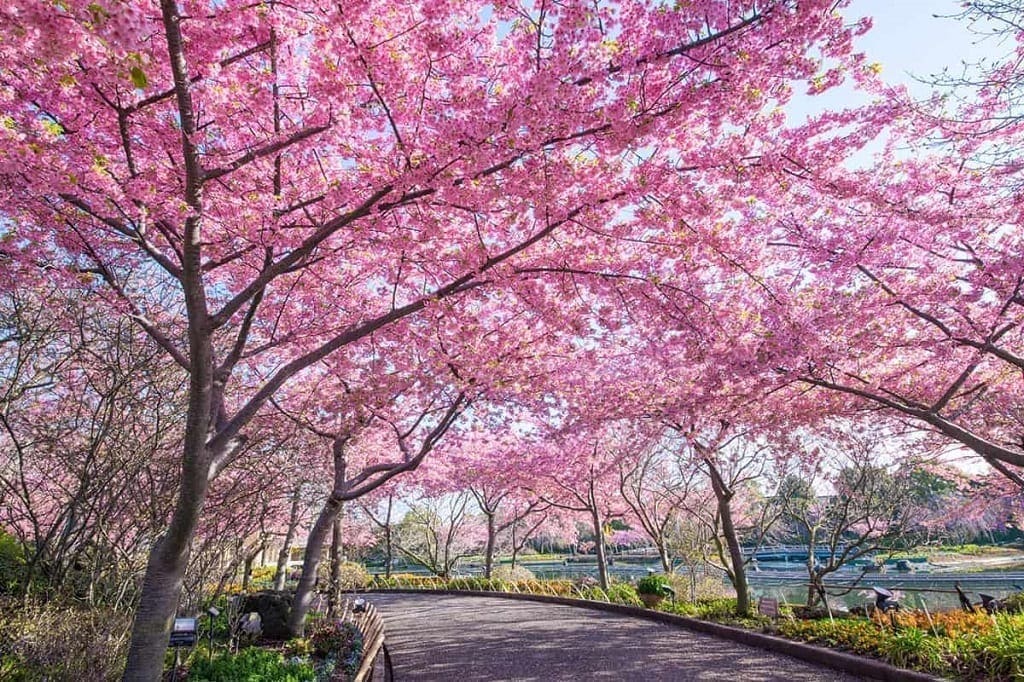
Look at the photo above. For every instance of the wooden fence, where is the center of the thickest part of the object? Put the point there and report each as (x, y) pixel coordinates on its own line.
(366, 617)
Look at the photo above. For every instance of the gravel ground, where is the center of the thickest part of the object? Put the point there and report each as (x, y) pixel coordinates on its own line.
(462, 639)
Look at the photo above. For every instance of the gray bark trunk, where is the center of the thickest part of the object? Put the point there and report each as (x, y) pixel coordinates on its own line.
(334, 596)
(602, 561)
(281, 570)
(739, 574)
(489, 549)
(314, 552)
(317, 537)
(161, 586)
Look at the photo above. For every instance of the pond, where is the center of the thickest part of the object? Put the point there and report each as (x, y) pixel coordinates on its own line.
(927, 585)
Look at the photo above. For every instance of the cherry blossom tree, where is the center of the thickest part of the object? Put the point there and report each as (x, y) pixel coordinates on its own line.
(87, 415)
(654, 488)
(576, 472)
(898, 283)
(410, 439)
(261, 187)
(494, 469)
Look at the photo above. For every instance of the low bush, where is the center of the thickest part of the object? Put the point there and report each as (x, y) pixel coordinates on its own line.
(51, 642)
(12, 564)
(623, 593)
(351, 575)
(719, 610)
(512, 573)
(722, 607)
(654, 584)
(333, 637)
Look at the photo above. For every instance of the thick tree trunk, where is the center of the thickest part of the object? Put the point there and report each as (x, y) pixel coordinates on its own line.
(724, 495)
(334, 594)
(311, 562)
(281, 570)
(666, 561)
(161, 586)
(317, 537)
(492, 534)
(602, 561)
(739, 571)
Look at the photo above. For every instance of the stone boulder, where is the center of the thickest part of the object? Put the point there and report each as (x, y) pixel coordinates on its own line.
(273, 608)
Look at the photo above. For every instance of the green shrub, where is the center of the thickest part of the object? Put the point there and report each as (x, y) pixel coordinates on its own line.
(351, 575)
(624, 593)
(653, 584)
(594, 593)
(251, 665)
(711, 609)
(718, 609)
(12, 564)
(998, 653)
(914, 648)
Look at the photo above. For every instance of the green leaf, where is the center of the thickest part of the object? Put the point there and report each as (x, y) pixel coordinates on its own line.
(139, 79)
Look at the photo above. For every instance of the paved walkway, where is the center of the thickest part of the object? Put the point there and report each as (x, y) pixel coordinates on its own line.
(466, 639)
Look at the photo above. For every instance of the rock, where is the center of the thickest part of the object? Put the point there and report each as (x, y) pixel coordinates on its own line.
(273, 608)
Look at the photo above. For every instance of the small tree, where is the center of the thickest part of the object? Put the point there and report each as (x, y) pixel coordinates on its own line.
(846, 505)
(438, 532)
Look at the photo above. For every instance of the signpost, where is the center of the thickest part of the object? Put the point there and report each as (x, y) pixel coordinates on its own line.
(768, 606)
(183, 633)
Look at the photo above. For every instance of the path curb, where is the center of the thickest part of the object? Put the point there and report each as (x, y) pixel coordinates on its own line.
(849, 663)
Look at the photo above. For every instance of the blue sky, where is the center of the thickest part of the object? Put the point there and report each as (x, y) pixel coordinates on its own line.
(914, 41)
(909, 40)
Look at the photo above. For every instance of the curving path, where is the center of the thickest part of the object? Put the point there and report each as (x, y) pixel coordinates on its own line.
(466, 639)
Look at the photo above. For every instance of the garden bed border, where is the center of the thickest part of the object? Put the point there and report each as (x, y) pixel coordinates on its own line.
(839, 660)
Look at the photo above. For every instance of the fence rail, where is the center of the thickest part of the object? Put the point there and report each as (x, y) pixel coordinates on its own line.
(370, 624)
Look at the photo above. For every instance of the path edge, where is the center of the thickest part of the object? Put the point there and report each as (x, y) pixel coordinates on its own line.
(848, 663)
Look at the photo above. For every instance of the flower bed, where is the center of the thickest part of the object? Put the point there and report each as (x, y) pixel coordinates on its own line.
(957, 645)
(331, 651)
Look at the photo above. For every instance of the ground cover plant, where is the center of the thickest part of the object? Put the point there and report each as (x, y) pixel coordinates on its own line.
(250, 665)
(331, 650)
